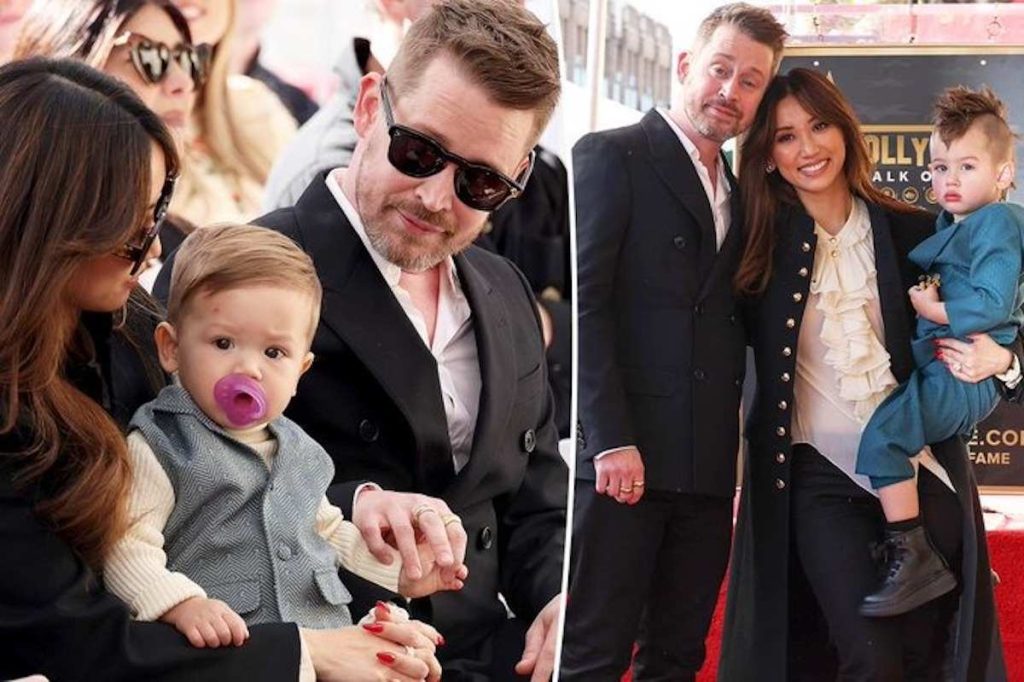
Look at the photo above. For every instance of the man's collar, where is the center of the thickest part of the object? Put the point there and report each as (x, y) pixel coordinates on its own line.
(688, 144)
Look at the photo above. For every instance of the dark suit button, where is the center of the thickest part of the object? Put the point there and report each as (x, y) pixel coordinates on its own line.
(368, 431)
(797, 297)
(779, 483)
(529, 440)
(699, 375)
(785, 377)
(783, 404)
(698, 309)
(732, 319)
(802, 272)
(679, 242)
(486, 538)
(738, 382)
(805, 247)
(781, 431)
(780, 457)
(790, 323)
(787, 351)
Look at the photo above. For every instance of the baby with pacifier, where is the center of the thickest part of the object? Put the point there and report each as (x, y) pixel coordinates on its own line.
(231, 525)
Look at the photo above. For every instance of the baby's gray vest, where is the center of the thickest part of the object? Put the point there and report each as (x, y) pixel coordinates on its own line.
(245, 534)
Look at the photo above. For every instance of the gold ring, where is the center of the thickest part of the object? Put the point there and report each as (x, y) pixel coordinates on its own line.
(625, 490)
(422, 509)
(638, 484)
(449, 519)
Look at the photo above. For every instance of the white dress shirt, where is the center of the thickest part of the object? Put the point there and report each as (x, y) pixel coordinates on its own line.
(454, 344)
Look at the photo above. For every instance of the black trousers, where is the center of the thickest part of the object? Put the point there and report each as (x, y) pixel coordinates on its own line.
(648, 574)
(494, 660)
(833, 523)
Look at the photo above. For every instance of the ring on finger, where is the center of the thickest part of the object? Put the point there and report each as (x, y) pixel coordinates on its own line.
(624, 489)
(449, 519)
(422, 509)
(638, 484)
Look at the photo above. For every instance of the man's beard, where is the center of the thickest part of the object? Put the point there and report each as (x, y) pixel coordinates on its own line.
(403, 250)
(707, 127)
(397, 247)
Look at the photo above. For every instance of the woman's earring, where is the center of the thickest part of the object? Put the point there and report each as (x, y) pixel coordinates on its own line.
(769, 167)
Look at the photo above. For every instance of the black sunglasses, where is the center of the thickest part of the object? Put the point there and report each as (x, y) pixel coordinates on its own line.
(414, 154)
(152, 59)
(136, 253)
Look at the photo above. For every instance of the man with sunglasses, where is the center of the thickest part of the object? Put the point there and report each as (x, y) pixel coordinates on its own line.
(430, 375)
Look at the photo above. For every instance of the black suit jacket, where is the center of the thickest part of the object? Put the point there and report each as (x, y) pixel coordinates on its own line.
(757, 614)
(372, 399)
(661, 344)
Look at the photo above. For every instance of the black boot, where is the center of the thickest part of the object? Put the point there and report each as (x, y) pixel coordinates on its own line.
(913, 574)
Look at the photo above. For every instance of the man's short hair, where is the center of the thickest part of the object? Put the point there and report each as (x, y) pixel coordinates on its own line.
(498, 45)
(224, 257)
(959, 108)
(757, 23)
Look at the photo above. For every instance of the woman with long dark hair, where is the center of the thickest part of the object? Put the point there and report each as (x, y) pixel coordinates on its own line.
(86, 172)
(825, 273)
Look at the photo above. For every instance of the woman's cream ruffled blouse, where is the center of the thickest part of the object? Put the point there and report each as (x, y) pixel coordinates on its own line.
(845, 281)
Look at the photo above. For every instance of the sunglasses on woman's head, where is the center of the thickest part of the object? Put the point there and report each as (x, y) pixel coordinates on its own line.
(136, 253)
(414, 154)
(152, 59)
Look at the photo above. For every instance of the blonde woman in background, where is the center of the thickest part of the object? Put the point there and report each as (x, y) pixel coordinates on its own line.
(237, 129)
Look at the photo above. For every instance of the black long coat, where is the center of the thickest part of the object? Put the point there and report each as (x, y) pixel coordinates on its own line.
(661, 341)
(757, 616)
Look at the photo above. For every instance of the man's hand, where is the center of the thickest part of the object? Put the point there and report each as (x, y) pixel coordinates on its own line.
(388, 519)
(620, 475)
(207, 623)
(538, 659)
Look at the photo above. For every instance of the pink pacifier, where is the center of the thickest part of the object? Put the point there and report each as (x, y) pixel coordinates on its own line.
(241, 398)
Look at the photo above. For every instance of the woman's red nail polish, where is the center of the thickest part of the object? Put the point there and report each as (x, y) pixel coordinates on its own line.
(384, 605)
(440, 640)
(373, 627)
(386, 658)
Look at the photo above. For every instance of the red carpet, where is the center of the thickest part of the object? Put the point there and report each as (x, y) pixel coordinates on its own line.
(1007, 554)
(1006, 549)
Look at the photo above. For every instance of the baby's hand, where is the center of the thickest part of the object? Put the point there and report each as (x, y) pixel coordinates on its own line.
(435, 578)
(924, 296)
(207, 623)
